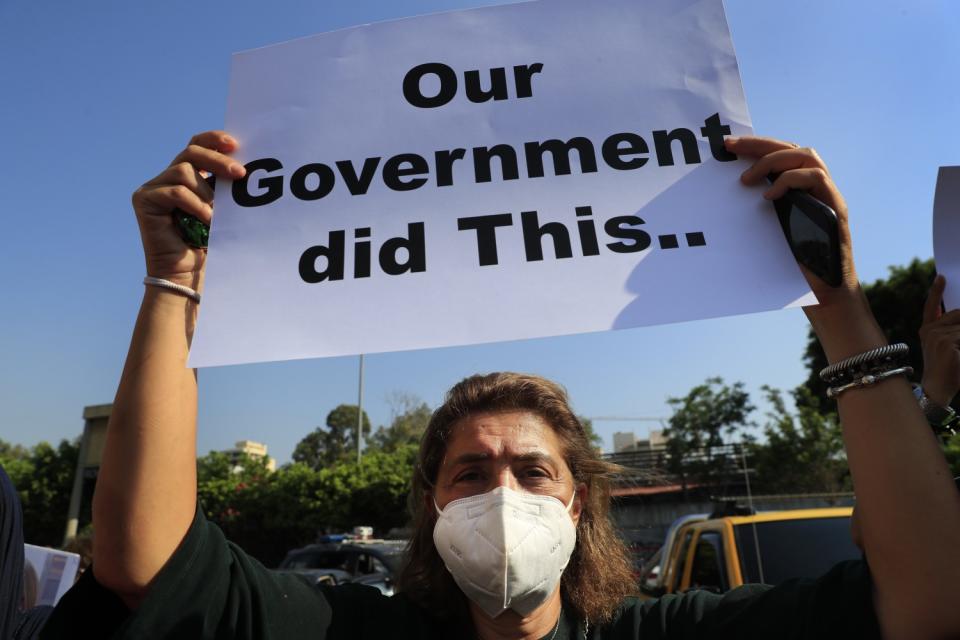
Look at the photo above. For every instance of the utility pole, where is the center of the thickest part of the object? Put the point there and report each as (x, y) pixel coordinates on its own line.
(360, 410)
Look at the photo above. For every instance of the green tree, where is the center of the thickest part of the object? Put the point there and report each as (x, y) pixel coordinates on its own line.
(897, 303)
(270, 513)
(710, 415)
(592, 436)
(800, 454)
(241, 496)
(10, 452)
(15, 459)
(410, 418)
(373, 493)
(43, 477)
(337, 442)
(952, 451)
(221, 477)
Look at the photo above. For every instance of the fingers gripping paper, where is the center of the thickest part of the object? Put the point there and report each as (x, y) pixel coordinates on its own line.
(527, 170)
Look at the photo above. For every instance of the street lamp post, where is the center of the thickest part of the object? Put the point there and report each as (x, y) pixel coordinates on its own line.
(360, 409)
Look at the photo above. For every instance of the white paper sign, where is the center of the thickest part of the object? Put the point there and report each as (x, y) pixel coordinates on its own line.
(49, 573)
(946, 233)
(537, 169)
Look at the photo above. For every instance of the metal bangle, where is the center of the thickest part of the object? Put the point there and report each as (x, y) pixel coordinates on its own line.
(875, 358)
(868, 380)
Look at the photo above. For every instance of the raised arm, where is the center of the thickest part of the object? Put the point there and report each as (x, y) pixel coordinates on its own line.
(908, 506)
(146, 490)
(940, 340)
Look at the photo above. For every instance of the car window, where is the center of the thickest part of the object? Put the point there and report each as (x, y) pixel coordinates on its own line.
(367, 563)
(651, 569)
(320, 560)
(391, 558)
(708, 570)
(681, 563)
(805, 548)
(378, 566)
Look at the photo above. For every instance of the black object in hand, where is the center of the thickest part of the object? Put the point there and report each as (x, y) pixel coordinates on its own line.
(194, 232)
(812, 231)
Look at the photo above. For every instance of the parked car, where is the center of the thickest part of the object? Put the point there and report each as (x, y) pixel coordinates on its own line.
(649, 574)
(719, 554)
(652, 573)
(372, 562)
(320, 577)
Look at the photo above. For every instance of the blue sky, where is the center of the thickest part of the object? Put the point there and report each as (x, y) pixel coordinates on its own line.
(97, 100)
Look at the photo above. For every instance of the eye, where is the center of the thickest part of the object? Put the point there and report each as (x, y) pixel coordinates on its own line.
(535, 473)
(469, 475)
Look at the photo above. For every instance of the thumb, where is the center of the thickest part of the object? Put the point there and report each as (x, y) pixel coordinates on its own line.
(931, 308)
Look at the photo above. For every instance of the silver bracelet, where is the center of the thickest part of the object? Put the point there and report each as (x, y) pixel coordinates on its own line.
(172, 286)
(868, 380)
(870, 362)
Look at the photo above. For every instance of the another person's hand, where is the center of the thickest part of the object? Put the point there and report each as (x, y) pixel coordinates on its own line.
(181, 185)
(940, 339)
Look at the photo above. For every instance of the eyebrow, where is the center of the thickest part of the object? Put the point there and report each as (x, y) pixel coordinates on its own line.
(530, 456)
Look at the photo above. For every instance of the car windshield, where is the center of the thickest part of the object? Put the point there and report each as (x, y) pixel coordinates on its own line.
(319, 560)
(805, 548)
(350, 560)
(391, 557)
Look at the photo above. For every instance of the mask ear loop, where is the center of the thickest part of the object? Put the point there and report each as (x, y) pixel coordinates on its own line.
(572, 498)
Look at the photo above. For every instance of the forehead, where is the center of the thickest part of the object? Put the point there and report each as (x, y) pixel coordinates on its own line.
(502, 434)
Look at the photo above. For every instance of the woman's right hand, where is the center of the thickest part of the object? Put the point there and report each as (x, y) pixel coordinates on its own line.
(181, 185)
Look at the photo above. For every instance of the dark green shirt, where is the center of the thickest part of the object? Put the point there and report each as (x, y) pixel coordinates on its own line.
(211, 589)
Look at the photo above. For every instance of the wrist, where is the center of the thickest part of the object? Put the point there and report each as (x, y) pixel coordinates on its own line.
(167, 298)
(186, 272)
(936, 393)
(845, 326)
(190, 279)
(166, 306)
(173, 287)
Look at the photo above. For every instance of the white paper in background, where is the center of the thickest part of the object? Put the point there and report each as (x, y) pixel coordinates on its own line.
(53, 570)
(609, 66)
(946, 233)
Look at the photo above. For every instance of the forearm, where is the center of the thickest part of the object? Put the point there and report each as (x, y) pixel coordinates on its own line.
(908, 506)
(146, 490)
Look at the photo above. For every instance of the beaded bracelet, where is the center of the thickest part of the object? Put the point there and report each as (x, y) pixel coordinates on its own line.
(868, 380)
(873, 362)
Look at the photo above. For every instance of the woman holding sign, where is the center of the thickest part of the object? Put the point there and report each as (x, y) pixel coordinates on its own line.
(512, 537)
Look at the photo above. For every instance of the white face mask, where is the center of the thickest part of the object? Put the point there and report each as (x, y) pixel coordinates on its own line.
(506, 550)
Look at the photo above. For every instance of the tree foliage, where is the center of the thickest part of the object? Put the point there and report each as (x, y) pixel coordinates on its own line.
(221, 477)
(43, 476)
(410, 416)
(952, 451)
(592, 436)
(270, 513)
(711, 415)
(897, 303)
(334, 443)
(801, 453)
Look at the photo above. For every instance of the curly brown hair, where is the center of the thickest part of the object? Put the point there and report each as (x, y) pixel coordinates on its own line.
(598, 576)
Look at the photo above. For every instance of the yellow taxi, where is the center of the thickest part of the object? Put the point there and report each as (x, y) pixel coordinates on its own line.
(719, 554)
